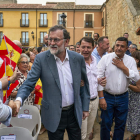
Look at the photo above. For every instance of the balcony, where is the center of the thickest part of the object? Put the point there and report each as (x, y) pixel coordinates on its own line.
(102, 22)
(1, 22)
(24, 42)
(40, 42)
(88, 24)
(24, 23)
(43, 22)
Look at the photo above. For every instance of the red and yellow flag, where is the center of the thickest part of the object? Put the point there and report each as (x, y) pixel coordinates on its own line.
(38, 92)
(3, 48)
(13, 52)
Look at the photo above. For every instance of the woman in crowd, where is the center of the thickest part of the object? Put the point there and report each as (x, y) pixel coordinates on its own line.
(133, 118)
(23, 65)
(33, 49)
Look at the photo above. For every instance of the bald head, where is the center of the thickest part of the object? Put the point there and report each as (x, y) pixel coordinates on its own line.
(46, 39)
(18, 43)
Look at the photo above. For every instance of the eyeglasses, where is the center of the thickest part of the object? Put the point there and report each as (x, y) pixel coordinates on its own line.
(56, 40)
(24, 62)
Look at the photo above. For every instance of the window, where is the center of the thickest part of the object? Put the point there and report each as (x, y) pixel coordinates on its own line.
(1, 36)
(43, 20)
(59, 19)
(24, 19)
(88, 21)
(1, 19)
(89, 34)
(24, 39)
(42, 34)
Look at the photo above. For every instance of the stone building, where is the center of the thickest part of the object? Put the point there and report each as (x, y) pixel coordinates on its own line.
(122, 16)
(7, 1)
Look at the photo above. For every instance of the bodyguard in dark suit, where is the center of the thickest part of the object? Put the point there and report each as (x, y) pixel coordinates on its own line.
(64, 102)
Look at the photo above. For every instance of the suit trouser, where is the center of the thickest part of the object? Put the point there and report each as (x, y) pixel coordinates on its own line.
(117, 107)
(88, 123)
(68, 122)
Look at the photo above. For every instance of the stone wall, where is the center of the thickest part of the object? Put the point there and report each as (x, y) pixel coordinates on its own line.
(122, 16)
(7, 1)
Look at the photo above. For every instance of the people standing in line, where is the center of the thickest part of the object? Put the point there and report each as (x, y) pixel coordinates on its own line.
(133, 117)
(126, 35)
(71, 48)
(86, 48)
(132, 48)
(77, 47)
(118, 68)
(103, 46)
(64, 102)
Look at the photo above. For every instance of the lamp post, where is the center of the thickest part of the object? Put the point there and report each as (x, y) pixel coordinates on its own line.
(32, 33)
(63, 16)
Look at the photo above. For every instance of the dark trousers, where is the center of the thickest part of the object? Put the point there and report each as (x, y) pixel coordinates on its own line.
(67, 122)
(117, 106)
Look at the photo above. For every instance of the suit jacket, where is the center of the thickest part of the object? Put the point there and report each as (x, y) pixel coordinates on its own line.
(45, 68)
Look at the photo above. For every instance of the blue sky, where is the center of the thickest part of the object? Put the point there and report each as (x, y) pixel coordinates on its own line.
(81, 2)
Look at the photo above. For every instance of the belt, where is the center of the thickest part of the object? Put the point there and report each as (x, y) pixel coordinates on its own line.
(67, 107)
(115, 94)
(93, 99)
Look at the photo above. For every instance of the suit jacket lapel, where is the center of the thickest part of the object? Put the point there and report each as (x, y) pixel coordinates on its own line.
(73, 66)
(52, 65)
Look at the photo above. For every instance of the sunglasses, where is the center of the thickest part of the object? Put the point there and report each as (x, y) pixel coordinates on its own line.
(24, 62)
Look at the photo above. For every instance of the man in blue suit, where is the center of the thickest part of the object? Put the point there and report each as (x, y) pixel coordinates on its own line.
(64, 102)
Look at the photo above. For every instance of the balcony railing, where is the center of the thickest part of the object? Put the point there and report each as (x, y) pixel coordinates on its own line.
(60, 22)
(88, 24)
(24, 23)
(40, 42)
(43, 22)
(102, 21)
(1, 22)
(24, 42)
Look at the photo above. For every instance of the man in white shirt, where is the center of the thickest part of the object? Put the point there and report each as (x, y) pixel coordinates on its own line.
(118, 68)
(86, 48)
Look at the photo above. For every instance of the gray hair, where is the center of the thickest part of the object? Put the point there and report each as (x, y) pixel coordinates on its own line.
(21, 56)
(134, 46)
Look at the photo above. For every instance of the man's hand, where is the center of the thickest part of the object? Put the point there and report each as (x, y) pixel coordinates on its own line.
(118, 63)
(103, 104)
(15, 76)
(13, 107)
(85, 114)
(102, 81)
(18, 103)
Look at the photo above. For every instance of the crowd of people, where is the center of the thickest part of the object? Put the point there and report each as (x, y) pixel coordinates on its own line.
(77, 81)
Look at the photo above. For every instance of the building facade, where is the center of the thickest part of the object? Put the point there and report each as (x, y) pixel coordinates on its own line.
(30, 22)
(123, 16)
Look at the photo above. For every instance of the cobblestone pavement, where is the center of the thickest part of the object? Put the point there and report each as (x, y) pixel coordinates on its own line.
(44, 136)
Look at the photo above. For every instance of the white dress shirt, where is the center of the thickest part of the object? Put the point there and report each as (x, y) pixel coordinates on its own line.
(117, 81)
(66, 80)
(92, 77)
(5, 111)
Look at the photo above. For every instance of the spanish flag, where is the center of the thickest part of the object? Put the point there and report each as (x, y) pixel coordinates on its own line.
(13, 52)
(2, 68)
(38, 92)
(3, 48)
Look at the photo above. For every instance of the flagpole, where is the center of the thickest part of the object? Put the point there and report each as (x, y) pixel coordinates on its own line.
(5, 74)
